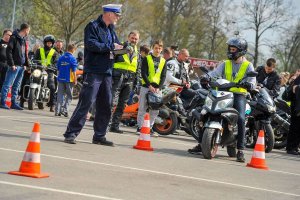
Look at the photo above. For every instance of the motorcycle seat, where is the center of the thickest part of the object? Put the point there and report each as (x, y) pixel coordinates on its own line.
(203, 92)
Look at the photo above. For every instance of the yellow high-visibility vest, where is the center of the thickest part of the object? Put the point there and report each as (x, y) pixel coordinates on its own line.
(241, 73)
(127, 65)
(46, 61)
(154, 76)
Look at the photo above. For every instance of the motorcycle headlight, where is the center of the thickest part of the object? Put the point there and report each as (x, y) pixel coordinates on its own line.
(36, 73)
(208, 102)
(223, 104)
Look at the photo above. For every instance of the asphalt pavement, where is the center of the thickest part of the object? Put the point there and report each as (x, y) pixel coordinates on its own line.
(89, 171)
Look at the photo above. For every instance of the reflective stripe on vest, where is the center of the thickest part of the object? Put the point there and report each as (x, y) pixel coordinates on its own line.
(46, 61)
(241, 73)
(127, 65)
(154, 76)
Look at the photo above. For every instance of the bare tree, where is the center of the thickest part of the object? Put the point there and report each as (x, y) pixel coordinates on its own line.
(264, 15)
(70, 16)
(288, 50)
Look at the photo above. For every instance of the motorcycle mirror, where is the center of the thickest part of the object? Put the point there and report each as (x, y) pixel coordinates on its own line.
(252, 74)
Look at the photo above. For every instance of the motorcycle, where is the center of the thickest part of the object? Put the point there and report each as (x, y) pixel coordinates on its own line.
(78, 86)
(281, 123)
(166, 121)
(262, 112)
(218, 117)
(38, 92)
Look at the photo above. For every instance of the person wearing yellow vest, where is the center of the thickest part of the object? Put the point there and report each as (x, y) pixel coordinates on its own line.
(234, 69)
(47, 56)
(123, 77)
(153, 72)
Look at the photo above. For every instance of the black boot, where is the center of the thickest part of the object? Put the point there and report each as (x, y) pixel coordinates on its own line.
(115, 130)
(51, 108)
(195, 150)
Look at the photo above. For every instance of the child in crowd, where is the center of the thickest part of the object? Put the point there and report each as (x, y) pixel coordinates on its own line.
(66, 67)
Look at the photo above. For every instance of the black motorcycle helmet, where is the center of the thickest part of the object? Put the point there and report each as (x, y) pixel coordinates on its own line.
(49, 38)
(240, 44)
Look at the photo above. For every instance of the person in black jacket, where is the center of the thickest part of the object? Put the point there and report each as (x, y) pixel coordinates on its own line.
(268, 77)
(293, 138)
(3, 60)
(100, 40)
(17, 59)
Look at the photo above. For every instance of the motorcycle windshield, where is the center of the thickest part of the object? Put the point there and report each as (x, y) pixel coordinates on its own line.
(265, 96)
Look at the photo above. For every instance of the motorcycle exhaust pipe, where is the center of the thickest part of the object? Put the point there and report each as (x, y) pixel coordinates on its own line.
(281, 122)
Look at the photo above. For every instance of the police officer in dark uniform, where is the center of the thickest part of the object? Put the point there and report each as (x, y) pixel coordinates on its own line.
(124, 75)
(48, 56)
(100, 40)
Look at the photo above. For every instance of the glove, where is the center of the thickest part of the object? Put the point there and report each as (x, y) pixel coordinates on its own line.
(246, 85)
(204, 79)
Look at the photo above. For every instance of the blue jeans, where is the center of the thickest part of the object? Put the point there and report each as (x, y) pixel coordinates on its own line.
(240, 105)
(64, 97)
(96, 89)
(14, 79)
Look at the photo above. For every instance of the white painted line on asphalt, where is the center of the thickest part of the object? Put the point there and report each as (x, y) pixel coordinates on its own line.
(163, 173)
(56, 190)
(26, 117)
(86, 141)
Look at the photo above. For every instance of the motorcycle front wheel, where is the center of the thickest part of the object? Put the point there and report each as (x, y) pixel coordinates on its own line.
(209, 143)
(168, 127)
(31, 99)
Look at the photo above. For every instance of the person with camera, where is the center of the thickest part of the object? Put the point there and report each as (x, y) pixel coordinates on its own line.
(124, 75)
(153, 71)
(234, 69)
(48, 56)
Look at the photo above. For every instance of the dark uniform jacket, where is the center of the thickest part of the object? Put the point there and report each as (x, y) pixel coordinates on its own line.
(270, 81)
(3, 58)
(97, 47)
(14, 50)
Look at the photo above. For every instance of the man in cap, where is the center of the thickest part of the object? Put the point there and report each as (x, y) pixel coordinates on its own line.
(100, 40)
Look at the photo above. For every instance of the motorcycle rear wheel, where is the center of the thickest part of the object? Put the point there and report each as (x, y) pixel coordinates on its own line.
(76, 90)
(169, 126)
(209, 145)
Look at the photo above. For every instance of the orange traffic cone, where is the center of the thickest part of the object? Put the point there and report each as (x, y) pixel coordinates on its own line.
(258, 157)
(8, 98)
(30, 165)
(143, 142)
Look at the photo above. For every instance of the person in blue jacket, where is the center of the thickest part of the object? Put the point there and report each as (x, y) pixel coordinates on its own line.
(100, 40)
(66, 78)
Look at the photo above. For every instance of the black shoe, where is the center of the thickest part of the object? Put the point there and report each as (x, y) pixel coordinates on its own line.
(195, 150)
(103, 141)
(64, 114)
(115, 130)
(70, 140)
(57, 114)
(51, 108)
(293, 152)
(240, 156)
(16, 106)
(4, 106)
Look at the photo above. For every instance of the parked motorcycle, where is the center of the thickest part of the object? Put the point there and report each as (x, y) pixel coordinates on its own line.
(38, 92)
(262, 112)
(78, 86)
(219, 118)
(166, 121)
(281, 123)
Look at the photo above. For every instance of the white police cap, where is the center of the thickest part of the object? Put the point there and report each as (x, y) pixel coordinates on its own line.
(115, 8)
